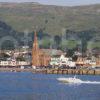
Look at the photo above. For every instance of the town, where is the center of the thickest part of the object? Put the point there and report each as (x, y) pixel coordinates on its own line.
(49, 50)
(46, 58)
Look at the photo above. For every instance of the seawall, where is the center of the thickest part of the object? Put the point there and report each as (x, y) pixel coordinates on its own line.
(54, 71)
(74, 72)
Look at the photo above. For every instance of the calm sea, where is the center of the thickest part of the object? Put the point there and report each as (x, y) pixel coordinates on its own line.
(29, 86)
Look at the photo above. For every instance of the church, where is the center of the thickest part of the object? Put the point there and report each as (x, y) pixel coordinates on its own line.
(39, 57)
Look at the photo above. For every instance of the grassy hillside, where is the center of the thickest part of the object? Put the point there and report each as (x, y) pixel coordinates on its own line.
(80, 24)
(51, 19)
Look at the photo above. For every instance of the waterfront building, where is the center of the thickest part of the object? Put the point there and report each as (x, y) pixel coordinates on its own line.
(61, 60)
(88, 62)
(13, 63)
(4, 63)
(98, 62)
(80, 61)
(39, 58)
(55, 60)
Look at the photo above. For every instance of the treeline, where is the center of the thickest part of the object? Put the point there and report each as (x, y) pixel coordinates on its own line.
(69, 40)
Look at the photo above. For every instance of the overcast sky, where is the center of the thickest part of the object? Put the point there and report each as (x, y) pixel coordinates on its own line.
(59, 2)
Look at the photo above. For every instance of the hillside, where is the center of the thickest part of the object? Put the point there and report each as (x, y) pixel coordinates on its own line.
(51, 19)
(69, 27)
(7, 34)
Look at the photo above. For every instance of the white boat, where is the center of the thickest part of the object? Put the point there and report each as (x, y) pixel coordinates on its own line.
(70, 80)
(76, 81)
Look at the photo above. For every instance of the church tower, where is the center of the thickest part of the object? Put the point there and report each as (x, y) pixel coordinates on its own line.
(35, 52)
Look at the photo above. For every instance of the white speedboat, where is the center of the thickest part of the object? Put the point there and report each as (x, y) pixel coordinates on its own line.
(70, 80)
(76, 81)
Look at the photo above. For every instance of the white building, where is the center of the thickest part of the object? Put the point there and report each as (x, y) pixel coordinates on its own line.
(4, 63)
(14, 63)
(62, 60)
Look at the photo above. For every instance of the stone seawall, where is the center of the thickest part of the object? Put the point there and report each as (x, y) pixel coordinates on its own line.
(74, 71)
(54, 71)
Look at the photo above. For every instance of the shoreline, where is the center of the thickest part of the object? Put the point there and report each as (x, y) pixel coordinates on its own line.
(54, 71)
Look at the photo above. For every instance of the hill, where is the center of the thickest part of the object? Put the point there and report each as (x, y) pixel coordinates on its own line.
(51, 19)
(80, 23)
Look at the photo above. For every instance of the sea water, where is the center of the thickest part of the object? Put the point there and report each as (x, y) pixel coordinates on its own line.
(29, 86)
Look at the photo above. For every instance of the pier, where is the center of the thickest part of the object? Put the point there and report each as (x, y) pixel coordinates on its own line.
(73, 71)
(54, 71)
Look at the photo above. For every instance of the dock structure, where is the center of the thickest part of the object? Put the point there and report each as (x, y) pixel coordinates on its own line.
(73, 71)
(53, 71)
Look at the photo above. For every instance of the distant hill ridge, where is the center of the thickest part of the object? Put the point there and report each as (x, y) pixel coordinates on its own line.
(50, 19)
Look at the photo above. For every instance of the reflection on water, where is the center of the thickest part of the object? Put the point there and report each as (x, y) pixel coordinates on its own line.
(28, 86)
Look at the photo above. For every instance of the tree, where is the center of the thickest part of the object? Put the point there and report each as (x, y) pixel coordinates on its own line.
(57, 41)
(20, 58)
(45, 42)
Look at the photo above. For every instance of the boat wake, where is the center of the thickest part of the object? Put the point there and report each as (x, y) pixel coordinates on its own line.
(76, 81)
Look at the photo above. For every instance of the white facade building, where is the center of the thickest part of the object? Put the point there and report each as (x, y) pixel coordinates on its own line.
(62, 60)
(14, 63)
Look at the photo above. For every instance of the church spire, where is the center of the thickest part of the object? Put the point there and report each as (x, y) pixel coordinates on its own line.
(35, 51)
(35, 44)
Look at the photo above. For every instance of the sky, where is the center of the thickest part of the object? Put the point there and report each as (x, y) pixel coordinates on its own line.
(59, 2)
